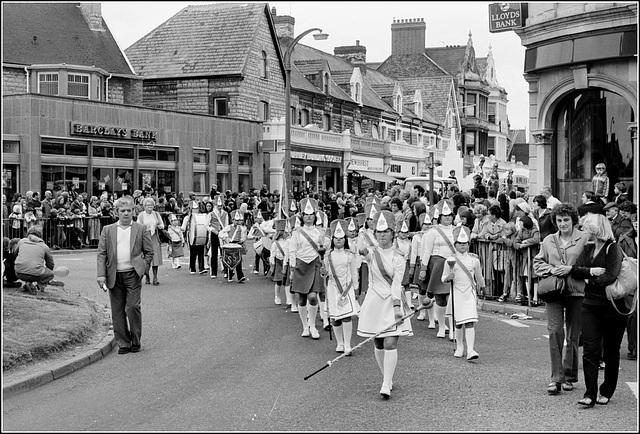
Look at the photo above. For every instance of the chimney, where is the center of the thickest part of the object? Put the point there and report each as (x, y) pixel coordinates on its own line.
(92, 13)
(354, 54)
(284, 24)
(408, 36)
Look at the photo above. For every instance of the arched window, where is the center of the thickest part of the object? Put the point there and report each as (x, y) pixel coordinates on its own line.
(325, 83)
(263, 65)
(399, 103)
(357, 96)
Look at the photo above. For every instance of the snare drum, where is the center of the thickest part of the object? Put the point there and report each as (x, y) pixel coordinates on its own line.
(231, 254)
(198, 230)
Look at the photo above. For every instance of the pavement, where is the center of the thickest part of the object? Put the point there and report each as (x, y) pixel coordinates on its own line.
(104, 347)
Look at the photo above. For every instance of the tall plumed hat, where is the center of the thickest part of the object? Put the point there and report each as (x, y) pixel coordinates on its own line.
(445, 207)
(292, 205)
(426, 219)
(217, 200)
(373, 199)
(292, 223)
(361, 218)
(352, 223)
(308, 205)
(237, 215)
(258, 214)
(461, 234)
(370, 209)
(384, 220)
(404, 227)
(339, 228)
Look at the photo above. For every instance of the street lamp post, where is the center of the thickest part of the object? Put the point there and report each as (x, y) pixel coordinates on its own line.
(431, 162)
(287, 98)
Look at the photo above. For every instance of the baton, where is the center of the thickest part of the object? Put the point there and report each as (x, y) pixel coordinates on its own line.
(397, 323)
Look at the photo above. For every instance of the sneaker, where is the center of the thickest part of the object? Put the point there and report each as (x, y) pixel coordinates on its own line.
(441, 334)
(314, 333)
(192, 272)
(255, 272)
(502, 298)
(242, 280)
(213, 276)
(459, 352)
(179, 267)
(567, 386)
(56, 283)
(203, 272)
(422, 316)
(277, 301)
(294, 308)
(229, 279)
(472, 355)
(305, 333)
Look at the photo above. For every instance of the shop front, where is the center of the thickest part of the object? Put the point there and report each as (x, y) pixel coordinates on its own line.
(312, 172)
(367, 173)
(401, 170)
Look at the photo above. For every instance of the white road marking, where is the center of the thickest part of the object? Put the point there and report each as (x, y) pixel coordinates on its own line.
(634, 388)
(514, 323)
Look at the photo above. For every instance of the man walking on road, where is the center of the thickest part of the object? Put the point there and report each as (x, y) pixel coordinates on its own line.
(125, 253)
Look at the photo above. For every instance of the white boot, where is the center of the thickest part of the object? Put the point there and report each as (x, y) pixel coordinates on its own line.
(276, 290)
(347, 330)
(423, 313)
(294, 302)
(440, 313)
(379, 358)
(390, 362)
(407, 297)
(459, 344)
(324, 314)
(312, 314)
(337, 332)
(470, 336)
(302, 312)
(431, 314)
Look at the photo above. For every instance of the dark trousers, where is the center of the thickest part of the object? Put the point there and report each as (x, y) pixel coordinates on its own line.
(238, 271)
(262, 257)
(602, 332)
(215, 252)
(125, 299)
(632, 331)
(196, 252)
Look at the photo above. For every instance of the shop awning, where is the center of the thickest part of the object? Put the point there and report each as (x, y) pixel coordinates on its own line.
(376, 176)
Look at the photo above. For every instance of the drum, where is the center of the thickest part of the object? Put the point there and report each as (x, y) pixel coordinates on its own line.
(231, 254)
(198, 230)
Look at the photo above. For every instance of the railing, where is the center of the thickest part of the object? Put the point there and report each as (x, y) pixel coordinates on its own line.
(366, 145)
(68, 233)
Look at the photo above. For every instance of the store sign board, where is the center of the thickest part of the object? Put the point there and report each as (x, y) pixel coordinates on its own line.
(402, 168)
(81, 129)
(506, 16)
(316, 157)
(370, 164)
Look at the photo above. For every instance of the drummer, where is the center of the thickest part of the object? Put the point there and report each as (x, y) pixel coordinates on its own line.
(235, 233)
(216, 221)
(261, 232)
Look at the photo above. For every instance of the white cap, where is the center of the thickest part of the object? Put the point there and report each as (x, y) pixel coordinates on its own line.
(339, 233)
(237, 215)
(404, 227)
(352, 225)
(308, 209)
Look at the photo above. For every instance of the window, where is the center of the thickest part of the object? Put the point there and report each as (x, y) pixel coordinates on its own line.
(492, 113)
(357, 96)
(398, 102)
(304, 117)
(357, 128)
(263, 65)
(374, 131)
(78, 85)
(470, 105)
(263, 111)
(398, 134)
(385, 132)
(483, 102)
(491, 146)
(98, 87)
(223, 181)
(292, 115)
(166, 155)
(52, 148)
(418, 108)
(122, 152)
(199, 182)
(469, 143)
(102, 151)
(81, 150)
(222, 158)
(48, 83)
(219, 106)
(326, 122)
(325, 83)
(200, 156)
(244, 160)
(245, 182)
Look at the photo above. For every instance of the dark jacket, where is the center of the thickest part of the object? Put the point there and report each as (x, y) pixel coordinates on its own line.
(546, 224)
(610, 258)
(620, 225)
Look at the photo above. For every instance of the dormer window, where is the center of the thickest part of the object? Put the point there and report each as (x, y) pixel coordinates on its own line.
(78, 85)
(398, 102)
(325, 83)
(69, 81)
(357, 94)
(48, 83)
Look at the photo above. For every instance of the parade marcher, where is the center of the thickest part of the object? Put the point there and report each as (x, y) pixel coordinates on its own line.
(235, 233)
(279, 264)
(216, 221)
(463, 269)
(402, 244)
(260, 232)
(176, 244)
(415, 262)
(367, 238)
(153, 222)
(384, 303)
(437, 245)
(340, 265)
(306, 250)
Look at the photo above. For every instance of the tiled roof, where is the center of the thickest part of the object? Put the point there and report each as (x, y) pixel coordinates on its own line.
(448, 58)
(410, 65)
(208, 39)
(436, 94)
(52, 33)
(311, 66)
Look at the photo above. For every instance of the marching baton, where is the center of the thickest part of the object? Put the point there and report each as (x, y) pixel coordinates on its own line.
(397, 323)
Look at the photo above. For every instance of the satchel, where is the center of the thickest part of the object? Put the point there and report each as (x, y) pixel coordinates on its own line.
(552, 287)
(626, 285)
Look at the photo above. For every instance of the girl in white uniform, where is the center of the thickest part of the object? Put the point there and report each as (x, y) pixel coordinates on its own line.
(342, 272)
(462, 304)
(384, 303)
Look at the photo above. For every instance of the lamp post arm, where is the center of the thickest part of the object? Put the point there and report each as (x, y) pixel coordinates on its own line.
(287, 54)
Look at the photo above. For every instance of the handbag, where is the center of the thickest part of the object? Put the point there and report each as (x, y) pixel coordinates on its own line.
(552, 287)
(626, 284)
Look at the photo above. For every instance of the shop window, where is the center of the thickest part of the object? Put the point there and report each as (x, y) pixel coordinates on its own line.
(222, 158)
(244, 160)
(78, 85)
(52, 148)
(122, 152)
(200, 156)
(219, 106)
(48, 83)
(77, 177)
(81, 150)
(263, 65)
(10, 180)
(167, 155)
(52, 178)
(123, 183)
(147, 178)
(263, 111)
(166, 181)
(102, 151)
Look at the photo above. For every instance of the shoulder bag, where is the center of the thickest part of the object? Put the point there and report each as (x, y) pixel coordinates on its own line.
(625, 285)
(551, 288)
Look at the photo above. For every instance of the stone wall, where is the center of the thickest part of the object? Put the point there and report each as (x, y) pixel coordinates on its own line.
(14, 81)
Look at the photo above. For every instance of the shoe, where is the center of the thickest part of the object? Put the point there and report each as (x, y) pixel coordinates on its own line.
(431, 326)
(385, 392)
(56, 283)
(602, 400)
(601, 366)
(305, 333)
(587, 402)
(229, 279)
(326, 326)
(567, 386)
(503, 298)
(266, 272)
(213, 276)
(18, 285)
(553, 388)
(277, 301)
(155, 282)
(518, 299)
(422, 316)
(56, 248)
(242, 280)
(135, 348)
(347, 351)
(225, 275)
(314, 333)
(441, 334)
(340, 348)
(294, 308)
(256, 272)
(458, 352)
(147, 281)
(124, 350)
(632, 355)
(472, 355)
(179, 267)
(203, 272)
(192, 272)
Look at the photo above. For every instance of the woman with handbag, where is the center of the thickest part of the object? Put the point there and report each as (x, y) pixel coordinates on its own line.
(153, 222)
(558, 252)
(602, 324)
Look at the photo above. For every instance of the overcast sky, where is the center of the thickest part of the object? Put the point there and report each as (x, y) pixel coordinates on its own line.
(448, 23)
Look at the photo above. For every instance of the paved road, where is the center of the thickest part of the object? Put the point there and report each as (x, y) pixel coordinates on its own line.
(222, 356)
